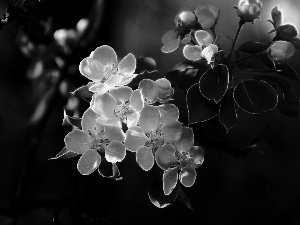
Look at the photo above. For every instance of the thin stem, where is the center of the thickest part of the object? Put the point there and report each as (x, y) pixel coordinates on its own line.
(241, 23)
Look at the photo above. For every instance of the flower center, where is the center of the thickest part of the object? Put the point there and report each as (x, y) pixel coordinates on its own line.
(123, 110)
(156, 139)
(98, 142)
(109, 70)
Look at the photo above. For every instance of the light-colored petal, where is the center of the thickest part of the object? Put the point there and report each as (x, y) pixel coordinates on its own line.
(163, 84)
(89, 123)
(115, 152)
(106, 55)
(203, 38)
(135, 138)
(136, 100)
(171, 46)
(88, 162)
(91, 69)
(169, 36)
(171, 131)
(127, 64)
(206, 18)
(168, 113)
(165, 156)
(121, 94)
(145, 158)
(132, 119)
(192, 52)
(78, 141)
(149, 118)
(187, 176)
(209, 52)
(149, 89)
(170, 178)
(114, 80)
(109, 121)
(104, 104)
(114, 133)
(186, 141)
(99, 88)
(197, 153)
(127, 79)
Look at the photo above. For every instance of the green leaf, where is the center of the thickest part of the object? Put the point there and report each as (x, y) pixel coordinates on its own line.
(155, 189)
(83, 93)
(288, 71)
(185, 199)
(200, 109)
(253, 47)
(255, 96)
(65, 154)
(296, 42)
(214, 83)
(228, 111)
(288, 102)
(73, 121)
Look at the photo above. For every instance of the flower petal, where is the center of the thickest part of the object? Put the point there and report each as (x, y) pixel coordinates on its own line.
(106, 55)
(89, 123)
(197, 153)
(149, 89)
(132, 119)
(114, 133)
(121, 94)
(168, 113)
(114, 81)
(115, 152)
(127, 80)
(88, 162)
(91, 69)
(170, 180)
(186, 141)
(109, 170)
(99, 88)
(104, 104)
(109, 121)
(165, 156)
(171, 46)
(203, 38)
(145, 158)
(192, 52)
(127, 64)
(135, 138)
(78, 141)
(171, 131)
(149, 118)
(136, 100)
(206, 17)
(169, 36)
(187, 176)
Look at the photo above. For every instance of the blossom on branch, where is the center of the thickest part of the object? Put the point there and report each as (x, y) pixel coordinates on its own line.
(103, 68)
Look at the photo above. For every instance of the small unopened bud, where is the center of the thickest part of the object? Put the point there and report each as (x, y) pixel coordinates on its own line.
(186, 19)
(281, 51)
(248, 10)
(286, 32)
(81, 26)
(276, 16)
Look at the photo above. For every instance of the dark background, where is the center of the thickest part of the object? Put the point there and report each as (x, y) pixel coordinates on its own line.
(259, 188)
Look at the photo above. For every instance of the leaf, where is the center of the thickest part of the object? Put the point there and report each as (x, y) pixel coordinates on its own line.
(145, 64)
(288, 71)
(200, 109)
(155, 189)
(73, 121)
(109, 170)
(261, 61)
(288, 102)
(228, 111)
(83, 93)
(253, 47)
(65, 154)
(185, 199)
(255, 96)
(296, 42)
(214, 83)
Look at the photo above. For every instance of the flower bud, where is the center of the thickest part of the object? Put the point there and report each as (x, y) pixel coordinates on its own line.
(248, 10)
(209, 52)
(286, 32)
(276, 16)
(186, 19)
(281, 51)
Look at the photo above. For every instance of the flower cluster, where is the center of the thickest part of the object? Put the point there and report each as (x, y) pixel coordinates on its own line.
(141, 121)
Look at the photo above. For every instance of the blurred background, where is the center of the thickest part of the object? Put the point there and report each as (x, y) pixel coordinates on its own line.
(258, 188)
